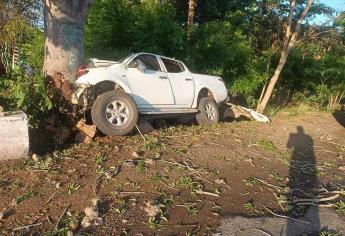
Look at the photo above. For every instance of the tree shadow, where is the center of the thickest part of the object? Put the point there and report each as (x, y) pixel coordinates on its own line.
(340, 117)
(303, 182)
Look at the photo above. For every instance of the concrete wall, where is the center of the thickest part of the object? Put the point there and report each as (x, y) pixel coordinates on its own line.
(14, 135)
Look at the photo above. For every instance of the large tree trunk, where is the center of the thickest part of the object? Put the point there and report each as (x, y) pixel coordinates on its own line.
(191, 13)
(289, 43)
(64, 31)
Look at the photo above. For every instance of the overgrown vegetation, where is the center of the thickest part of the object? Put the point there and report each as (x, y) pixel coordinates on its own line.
(238, 40)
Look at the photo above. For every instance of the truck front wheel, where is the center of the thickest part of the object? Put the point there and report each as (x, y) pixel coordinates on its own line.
(114, 113)
(208, 111)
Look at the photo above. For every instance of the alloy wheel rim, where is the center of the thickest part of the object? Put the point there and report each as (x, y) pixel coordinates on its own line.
(210, 111)
(117, 113)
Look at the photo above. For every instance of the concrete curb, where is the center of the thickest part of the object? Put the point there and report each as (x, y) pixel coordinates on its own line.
(14, 135)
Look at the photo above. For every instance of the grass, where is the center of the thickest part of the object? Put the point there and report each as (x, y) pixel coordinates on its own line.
(140, 167)
(330, 233)
(121, 205)
(26, 196)
(189, 183)
(251, 181)
(72, 188)
(267, 145)
(152, 144)
(340, 207)
(249, 206)
(99, 162)
(192, 210)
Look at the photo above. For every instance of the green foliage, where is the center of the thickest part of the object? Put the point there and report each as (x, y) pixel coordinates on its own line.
(237, 40)
(22, 91)
(220, 48)
(140, 27)
(33, 51)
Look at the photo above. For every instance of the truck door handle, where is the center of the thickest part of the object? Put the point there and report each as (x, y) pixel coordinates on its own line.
(188, 79)
(163, 77)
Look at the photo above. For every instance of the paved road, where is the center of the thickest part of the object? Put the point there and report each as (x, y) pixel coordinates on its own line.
(323, 219)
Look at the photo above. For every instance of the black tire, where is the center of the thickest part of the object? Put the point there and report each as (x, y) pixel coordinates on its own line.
(103, 110)
(202, 117)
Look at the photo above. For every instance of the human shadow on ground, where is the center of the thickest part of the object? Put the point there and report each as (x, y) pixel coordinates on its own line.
(303, 182)
(340, 117)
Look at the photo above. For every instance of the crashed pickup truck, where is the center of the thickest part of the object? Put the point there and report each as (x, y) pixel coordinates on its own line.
(145, 84)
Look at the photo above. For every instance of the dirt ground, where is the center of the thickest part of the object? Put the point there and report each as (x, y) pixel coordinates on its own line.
(180, 180)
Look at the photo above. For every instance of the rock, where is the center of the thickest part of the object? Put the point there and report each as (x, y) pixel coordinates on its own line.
(69, 233)
(342, 168)
(89, 130)
(135, 155)
(91, 212)
(92, 215)
(36, 157)
(129, 163)
(151, 209)
(220, 181)
(108, 175)
(6, 213)
(251, 161)
(149, 161)
(145, 127)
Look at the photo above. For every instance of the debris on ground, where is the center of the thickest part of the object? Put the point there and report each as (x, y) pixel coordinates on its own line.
(135, 155)
(5, 213)
(92, 215)
(152, 209)
(129, 163)
(206, 169)
(249, 113)
(36, 157)
(86, 132)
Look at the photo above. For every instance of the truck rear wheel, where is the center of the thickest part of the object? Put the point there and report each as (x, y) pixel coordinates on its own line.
(208, 111)
(114, 113)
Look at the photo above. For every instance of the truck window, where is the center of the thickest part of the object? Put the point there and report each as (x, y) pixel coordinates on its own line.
(172, 66)
(150, 62)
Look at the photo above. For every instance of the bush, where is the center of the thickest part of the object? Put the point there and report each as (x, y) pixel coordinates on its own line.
(21, 91)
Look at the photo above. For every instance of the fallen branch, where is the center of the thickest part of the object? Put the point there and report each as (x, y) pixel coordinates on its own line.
(96, 186)
(27, 226)
(131, 192)
(60, 218)
(268, 184)
(207, 193)
(289, 218)
(193, 170)
(168, 185)
(264, 232)
(50, 199)
(136, 126)
(316, 200)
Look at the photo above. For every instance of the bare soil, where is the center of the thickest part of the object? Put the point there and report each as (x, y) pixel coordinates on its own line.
(194, 174)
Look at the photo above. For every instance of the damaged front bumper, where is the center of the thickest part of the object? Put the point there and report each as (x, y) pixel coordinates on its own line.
(80, 95)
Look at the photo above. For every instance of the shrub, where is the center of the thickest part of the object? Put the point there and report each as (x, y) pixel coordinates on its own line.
(27, 92)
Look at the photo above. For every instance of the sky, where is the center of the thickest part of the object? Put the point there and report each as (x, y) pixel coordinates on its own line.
(338, 5)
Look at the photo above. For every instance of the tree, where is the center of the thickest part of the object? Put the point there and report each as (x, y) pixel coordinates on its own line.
(191, 13)
(289, 42)
(64, 31)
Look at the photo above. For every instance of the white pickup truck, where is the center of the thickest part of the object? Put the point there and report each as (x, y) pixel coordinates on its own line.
(145, 84)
